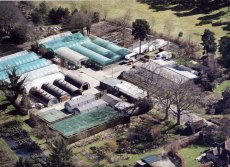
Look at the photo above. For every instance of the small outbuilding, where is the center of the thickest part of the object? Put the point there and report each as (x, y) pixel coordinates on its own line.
(56, 92)
(111, 99)
(76, 81)
(72, 90)
(79, 101)
(90, 106)
(43, 97)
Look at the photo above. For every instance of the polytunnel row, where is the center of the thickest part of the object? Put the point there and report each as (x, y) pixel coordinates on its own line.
(98, 50)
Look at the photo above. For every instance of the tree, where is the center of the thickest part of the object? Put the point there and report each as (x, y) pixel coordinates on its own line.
(224, 49)
(10, 17)
(79, 20)
(14, 87)
(36, 17)
(208, 42)
(60, 156)
(184, 96)
(124, 22)
(43, 8)
(140, 30)
(58, 15)
(19, 34)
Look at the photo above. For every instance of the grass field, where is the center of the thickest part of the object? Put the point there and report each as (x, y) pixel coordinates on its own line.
(221, 87)
(116, 8)
(190, 153)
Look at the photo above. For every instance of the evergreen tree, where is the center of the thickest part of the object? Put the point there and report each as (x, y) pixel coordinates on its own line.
(224, 48)
(208, 42)
(60, 156)
(140, 30)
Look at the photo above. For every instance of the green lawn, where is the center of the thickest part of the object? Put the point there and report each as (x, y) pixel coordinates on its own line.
(221, 87)
(190, 153)
(116, 8)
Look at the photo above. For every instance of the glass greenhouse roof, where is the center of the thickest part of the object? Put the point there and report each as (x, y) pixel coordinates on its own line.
(66, 41)
(105, 52)
(92, 55)
(110, 46)
(19, 60)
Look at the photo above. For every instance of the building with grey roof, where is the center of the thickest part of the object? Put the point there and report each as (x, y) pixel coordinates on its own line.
(79, 101)
(123, 88)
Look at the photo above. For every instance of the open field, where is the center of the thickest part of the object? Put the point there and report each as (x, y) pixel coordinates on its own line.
(190, 153)
(116, 8)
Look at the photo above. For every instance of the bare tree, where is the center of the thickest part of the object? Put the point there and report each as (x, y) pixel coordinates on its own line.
(79, 21)
(124, 23)
(184, 96)
(168, 28)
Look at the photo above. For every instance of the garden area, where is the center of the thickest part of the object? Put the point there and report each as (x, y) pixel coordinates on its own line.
(19, 140)
(188, 24)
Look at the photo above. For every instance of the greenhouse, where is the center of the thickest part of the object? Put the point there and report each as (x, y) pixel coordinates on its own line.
(65, 41)
(105, 52)
(52, 115)
(18, 54)
(96, 121)
(76, 81)
(72, 90)
(71, 56)
(41, 72)
(79, 101)
(40, 81)
(43, 97)
(20, 59)
(112, 47)
(95, 57)
(56, 92)
(54, 37)
(32, 66)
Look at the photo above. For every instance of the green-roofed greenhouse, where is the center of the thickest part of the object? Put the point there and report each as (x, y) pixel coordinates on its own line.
(100, 52)
(82, 122)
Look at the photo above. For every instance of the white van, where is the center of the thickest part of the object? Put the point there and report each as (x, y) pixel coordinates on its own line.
(164, 55)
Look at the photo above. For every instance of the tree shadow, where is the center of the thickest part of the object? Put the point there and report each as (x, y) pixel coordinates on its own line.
(4, 106)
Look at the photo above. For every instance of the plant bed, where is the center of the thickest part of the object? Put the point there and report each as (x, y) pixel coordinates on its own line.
(19, 140)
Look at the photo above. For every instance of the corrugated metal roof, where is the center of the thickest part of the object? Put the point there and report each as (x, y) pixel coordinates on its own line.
(111, 81)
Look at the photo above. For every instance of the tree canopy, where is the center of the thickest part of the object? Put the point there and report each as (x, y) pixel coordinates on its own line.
(208, 41)
(60, 156)
(140, 30)
(224, 48)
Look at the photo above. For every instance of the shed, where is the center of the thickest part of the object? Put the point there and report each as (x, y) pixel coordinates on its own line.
(72, 90)
(71, 56)
(43, 97)
(76, 81)
(56, 92)
(90, 106)
(79, 101)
